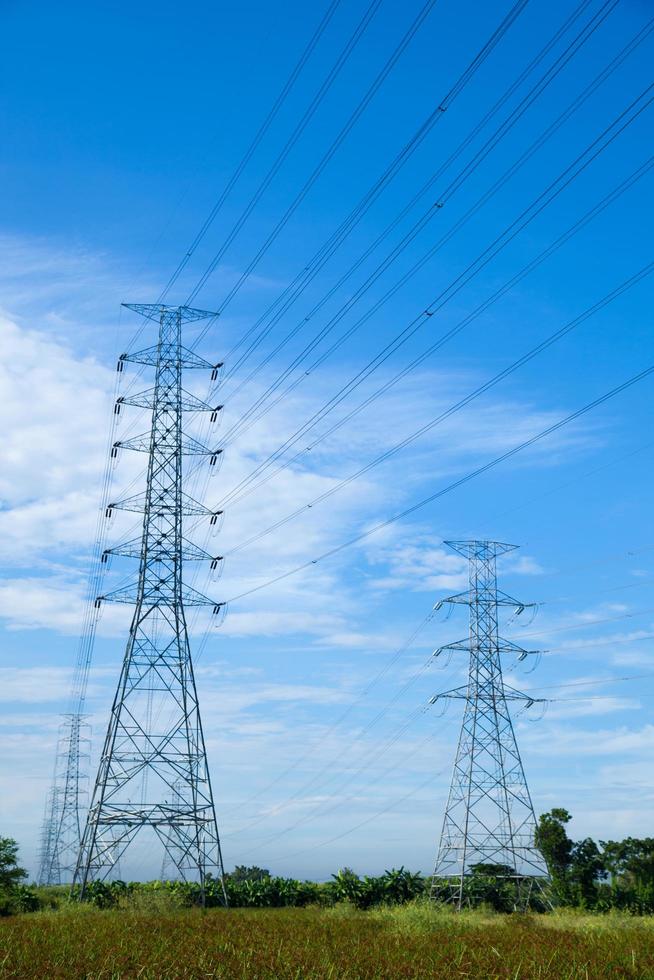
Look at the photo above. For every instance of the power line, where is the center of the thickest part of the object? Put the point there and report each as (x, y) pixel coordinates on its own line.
(360, 109)
(442, 199)
(499, 32)
(480, 470)
(610, 198)
(585, 33)
(420, 671)
(256, 141)
(462, 403)
(344, 714)
(292, 292)
(362, 823)
(607, 680)
(542, 201)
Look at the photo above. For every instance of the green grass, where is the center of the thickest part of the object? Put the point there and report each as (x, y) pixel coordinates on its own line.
(339, 943)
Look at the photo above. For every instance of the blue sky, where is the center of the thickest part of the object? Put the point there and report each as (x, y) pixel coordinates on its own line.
(122, 127)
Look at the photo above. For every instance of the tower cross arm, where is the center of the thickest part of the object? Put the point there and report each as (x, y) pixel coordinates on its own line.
(504, 599)
(133, 549)
(129, 595)
(151, 356)
(511, 694)
(472, 595)
(159, 311)
(160, 504)
(461, 645)
(188, 446)
(145, 399)
(455, 692)
(507, 646)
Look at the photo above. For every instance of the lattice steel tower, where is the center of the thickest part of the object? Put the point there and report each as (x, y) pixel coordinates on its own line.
(62, 831)
(489, 818)
(153, 769)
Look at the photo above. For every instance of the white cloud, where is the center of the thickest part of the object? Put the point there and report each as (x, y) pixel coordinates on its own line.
(34, 685)
(567, 742)
(54, 410)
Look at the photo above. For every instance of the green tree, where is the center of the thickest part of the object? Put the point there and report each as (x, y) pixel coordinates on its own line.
(553, 842)
(243, 873)
(630, 859)
(493, 870)
(586, 868)
(14, 897)
(630, 863)
(11, 875)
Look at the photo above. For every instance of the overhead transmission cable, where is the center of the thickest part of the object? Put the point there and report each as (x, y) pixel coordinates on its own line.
(294, 289)
(252, 148)
(591, 213)
(317, 779)
(375, 816)
(432, 778)
(478, 60)
(320, 810)
(392, 739)
(310, 111)
(361, 107)
(461, 481)
(533, 210)
(423, 190)
(348, 710)
(612, 196)
(254, 414)
(435, 208)
(601, 77)
(455, 90)
(336, 800)
(461, 403)
(395, 697)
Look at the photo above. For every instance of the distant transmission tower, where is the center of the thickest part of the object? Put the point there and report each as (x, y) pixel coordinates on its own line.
(61, 835)
(489, 819)
(168, 863)
(153, 769)
(49, 872)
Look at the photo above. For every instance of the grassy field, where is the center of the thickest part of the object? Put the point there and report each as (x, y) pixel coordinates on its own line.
(339, 943)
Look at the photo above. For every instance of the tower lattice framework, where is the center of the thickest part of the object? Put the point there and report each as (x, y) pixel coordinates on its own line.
(489, 820)
(153, 770)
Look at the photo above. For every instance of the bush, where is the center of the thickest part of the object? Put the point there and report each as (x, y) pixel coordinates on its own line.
(394, 887)
(18, 899)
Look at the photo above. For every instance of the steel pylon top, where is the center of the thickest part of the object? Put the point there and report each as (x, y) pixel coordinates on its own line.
(480, 548)
(153, 311)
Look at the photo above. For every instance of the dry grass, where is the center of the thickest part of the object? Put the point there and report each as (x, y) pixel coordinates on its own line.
(339, 943)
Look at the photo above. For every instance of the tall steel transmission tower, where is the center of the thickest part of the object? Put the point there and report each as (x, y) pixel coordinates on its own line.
(153, 770)
(489, 819)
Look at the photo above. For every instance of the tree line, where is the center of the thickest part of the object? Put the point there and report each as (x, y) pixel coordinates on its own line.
(596, 876)
(583, 874)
